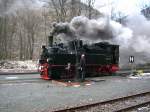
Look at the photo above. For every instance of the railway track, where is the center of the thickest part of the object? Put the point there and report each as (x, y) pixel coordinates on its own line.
(27, 80)
(121, 104)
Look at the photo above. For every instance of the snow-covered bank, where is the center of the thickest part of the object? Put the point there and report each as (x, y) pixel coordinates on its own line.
(140, 76)
(18, 66)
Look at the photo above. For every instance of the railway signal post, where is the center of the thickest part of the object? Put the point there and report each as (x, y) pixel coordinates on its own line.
(131, 61)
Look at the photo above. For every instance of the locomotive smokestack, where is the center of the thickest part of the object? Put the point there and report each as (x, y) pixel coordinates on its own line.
(50, 40)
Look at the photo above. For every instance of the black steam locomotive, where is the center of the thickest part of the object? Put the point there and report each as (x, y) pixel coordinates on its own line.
(77, 60)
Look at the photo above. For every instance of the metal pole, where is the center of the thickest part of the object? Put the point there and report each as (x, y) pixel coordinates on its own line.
(76, 64)
(132, 68)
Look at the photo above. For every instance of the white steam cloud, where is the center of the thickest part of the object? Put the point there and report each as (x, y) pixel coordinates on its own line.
(8, 7)
(100, 29)
(139, 44)
(134, 38)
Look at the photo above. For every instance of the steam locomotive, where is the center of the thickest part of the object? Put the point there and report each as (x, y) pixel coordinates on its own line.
(75, 59)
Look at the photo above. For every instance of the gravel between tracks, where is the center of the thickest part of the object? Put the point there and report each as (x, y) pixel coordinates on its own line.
(113, 106)
(141, 109)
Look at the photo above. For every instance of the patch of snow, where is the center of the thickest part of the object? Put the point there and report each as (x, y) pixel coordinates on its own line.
(140, 76)
(18, 65)
(144, 109)
(11, 78)
(146, 74)
(76, 85)
(87, 84)
(134, 77)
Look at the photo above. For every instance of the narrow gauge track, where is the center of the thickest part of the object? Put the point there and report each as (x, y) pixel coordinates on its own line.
(26, 80)
(99, 106)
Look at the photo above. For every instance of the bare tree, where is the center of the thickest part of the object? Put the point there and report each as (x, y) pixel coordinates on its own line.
(75, 8)
(6, 29)
(25, 29)
(29, 22)
(60, 9)
(90, 4)
(64, 10)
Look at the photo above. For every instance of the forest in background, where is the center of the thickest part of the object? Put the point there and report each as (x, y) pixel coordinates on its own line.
(24, 29)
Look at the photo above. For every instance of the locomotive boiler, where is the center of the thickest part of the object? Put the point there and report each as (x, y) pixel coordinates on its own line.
(75, 59)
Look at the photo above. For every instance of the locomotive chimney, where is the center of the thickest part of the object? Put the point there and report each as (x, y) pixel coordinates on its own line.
(50, 40)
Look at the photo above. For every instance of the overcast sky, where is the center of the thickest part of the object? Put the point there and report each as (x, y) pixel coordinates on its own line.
(105, 6)
(125, 6)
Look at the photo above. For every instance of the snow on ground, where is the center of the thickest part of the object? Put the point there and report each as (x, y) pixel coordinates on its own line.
(6, 66)
(140, 76)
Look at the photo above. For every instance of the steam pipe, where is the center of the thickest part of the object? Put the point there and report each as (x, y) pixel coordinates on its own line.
(76, 64)
(50, 40)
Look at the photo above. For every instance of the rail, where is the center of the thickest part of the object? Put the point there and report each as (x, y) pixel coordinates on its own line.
(120, 99)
